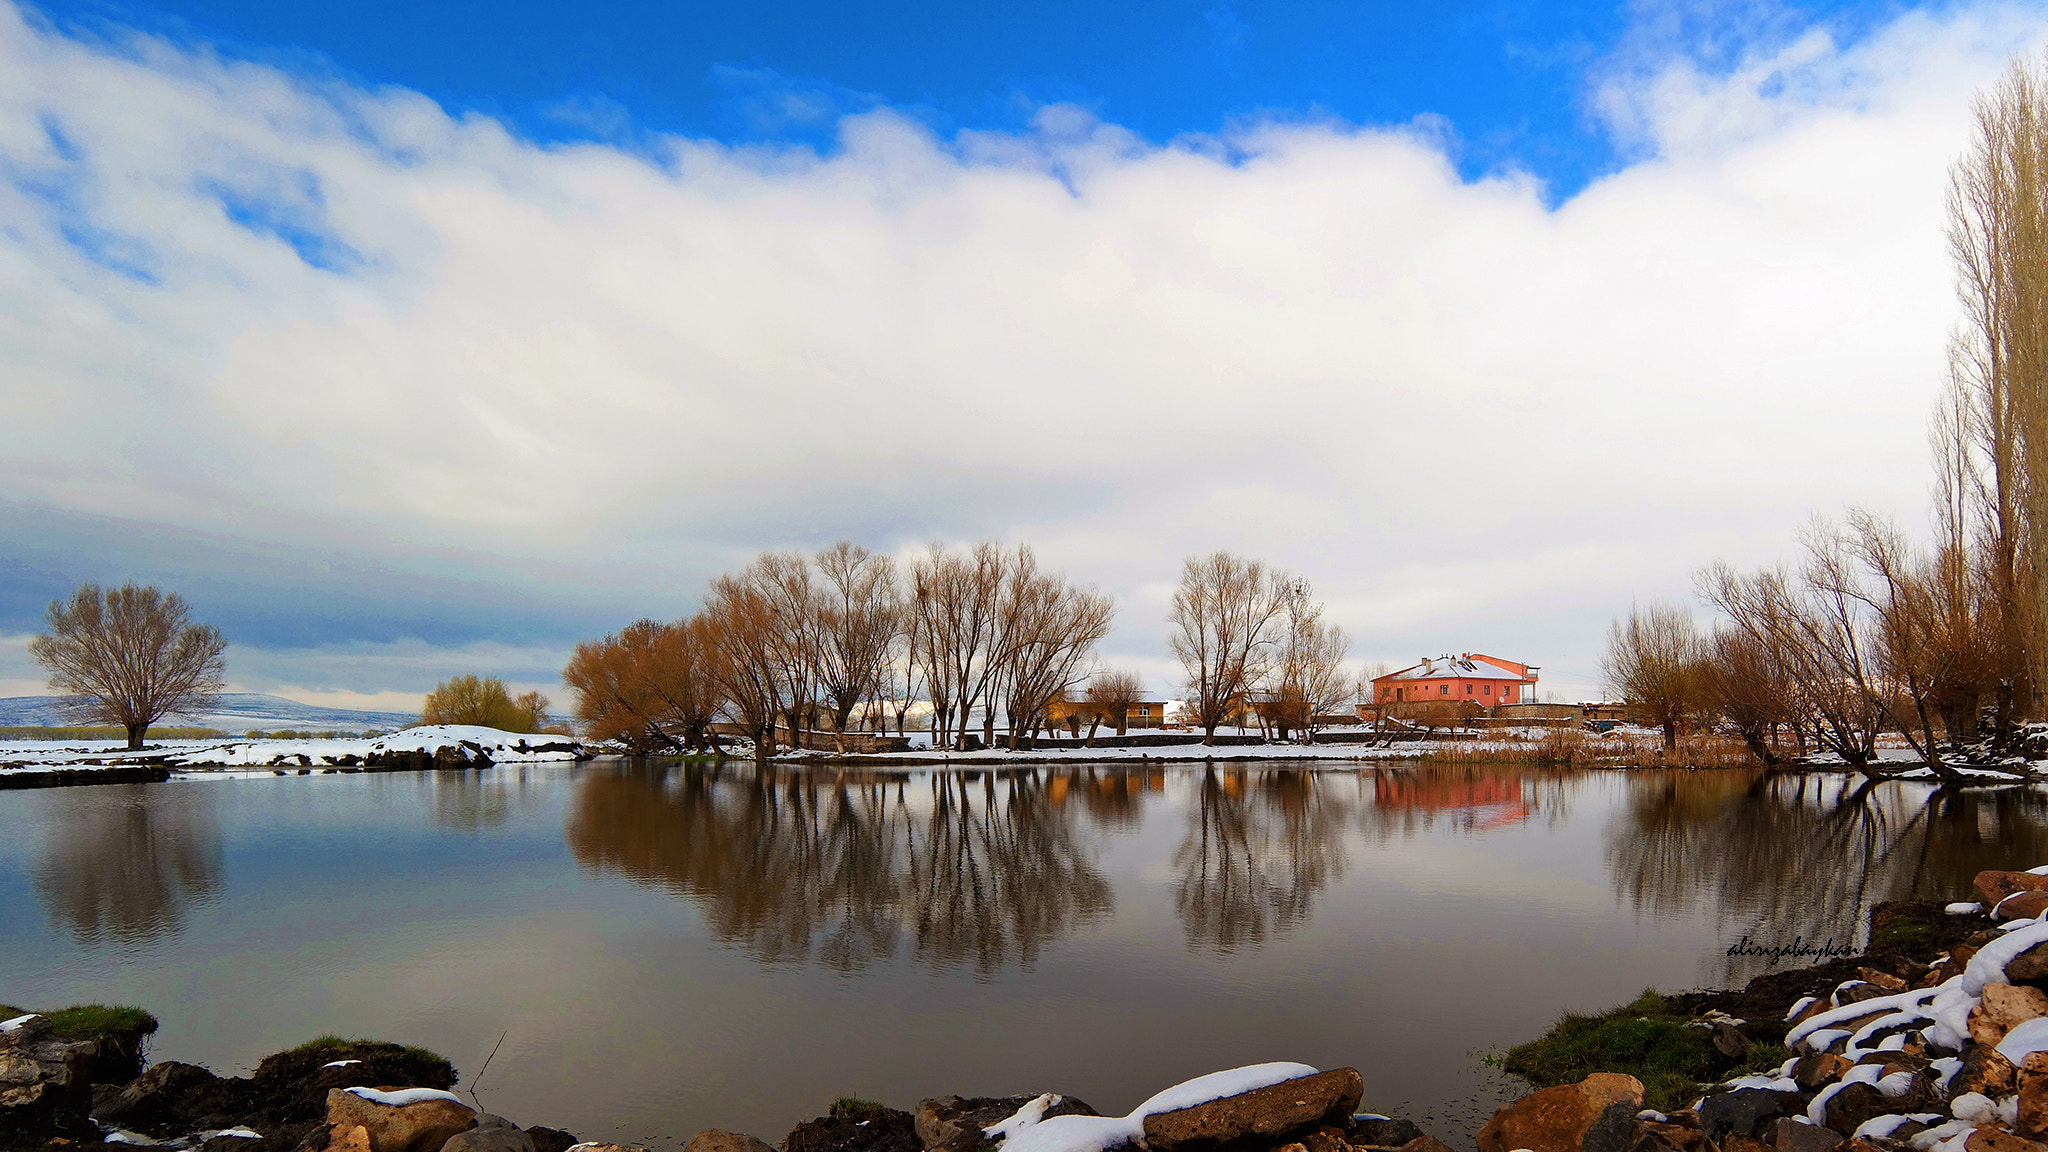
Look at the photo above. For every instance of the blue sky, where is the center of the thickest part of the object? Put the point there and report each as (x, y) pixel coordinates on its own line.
(408, 340)
(1507, 81)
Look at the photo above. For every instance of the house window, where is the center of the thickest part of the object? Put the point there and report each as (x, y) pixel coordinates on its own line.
(1443, 689)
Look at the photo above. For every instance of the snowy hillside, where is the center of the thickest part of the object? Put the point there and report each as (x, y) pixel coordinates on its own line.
(233, 712)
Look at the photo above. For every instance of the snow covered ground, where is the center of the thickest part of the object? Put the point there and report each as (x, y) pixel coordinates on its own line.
(499, 747)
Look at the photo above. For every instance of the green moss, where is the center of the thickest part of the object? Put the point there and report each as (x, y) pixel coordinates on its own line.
(856, 1109)
(1644, 1038)
(363, 1048)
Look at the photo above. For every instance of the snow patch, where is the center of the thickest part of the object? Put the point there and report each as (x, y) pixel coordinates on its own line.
(1964, 908)
(405, 1096)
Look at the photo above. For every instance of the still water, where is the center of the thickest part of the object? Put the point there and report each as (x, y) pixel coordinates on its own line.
(665, 950)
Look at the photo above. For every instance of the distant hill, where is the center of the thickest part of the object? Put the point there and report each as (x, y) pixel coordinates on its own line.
(235, 712)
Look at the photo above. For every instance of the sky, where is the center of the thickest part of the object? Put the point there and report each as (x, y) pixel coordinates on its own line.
(409, 340)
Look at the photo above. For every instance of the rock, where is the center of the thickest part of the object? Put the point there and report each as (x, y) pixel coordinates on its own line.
(857, 1126)
(1738, 1143)
(1993, 1140)
(1820, 1068)
(502, 1136)
(1729, 1040)
(1848, 1108)
(226, 1143)
(1598, 1114)
(1384, 1133)
(2029, 967)
(2022, 906)
(2002, 1007)
(594, 1146)
(1425, 1144)
(1993, 886)
(550, 1139)
(44, 1088)
(153, 1099)
(1651, 1136)
(353, 1138)
(422, 1125)
(2032, 1121)
(716, 1140)
(1985, 1072)
(955, 1122)
(1745, 1110)
(1884, 980)
(1261, 1113)
(1789, 1135)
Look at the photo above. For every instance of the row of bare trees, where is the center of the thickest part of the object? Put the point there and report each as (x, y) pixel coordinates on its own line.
(847, 640)
(794, 644)
(1872, 630)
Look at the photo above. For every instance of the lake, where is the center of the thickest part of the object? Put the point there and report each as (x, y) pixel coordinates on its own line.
(666, 949)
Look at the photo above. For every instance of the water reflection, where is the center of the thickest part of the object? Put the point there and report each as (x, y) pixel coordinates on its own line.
(1783, 857)
(1259, 846)
(975, 869)
(122, 863)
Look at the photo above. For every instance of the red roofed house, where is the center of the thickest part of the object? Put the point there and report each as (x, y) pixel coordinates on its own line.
(1481, 679)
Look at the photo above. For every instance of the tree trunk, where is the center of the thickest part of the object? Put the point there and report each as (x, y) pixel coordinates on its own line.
(135, 734)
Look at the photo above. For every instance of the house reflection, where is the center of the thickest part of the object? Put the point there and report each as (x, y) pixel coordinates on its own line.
(1475, 799)
(123, 863)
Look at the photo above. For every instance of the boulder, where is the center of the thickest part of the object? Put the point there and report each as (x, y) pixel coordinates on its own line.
(1789, 1135)
(1425, 1143)
(1993, 1140)
(1884, 980)
(1745, 1110)
(1986, 1072)
(1819, 1068)
(2003, 1006)
(2032, 1121)
(717, 1140)
(150, 1102)
(1653, 1136)
(1994, 885)
(1262, 1113)
(492, 1134)
(550, 1139)
(44, 1089)
(2029, 967)
(399, 1119)
(1848, 1108)
(955, 1122)
(2022, 906)
(1598, 1114)
(1328, 1138)
(856, 1126)
(1729, 1040)
(1383, 1133)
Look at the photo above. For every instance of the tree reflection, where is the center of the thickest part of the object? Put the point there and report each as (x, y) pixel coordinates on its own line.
(123, 862)
(979, 869)
(1800, 857)
(1258, 848)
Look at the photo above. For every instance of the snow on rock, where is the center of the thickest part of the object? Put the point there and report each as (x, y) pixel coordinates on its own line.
(1988, 965)
(1964, 908)
(15, 1024)
(340, 1063)
(1217, 1085)
(404, 1096)
(2026, 1036)
(1026, 1131)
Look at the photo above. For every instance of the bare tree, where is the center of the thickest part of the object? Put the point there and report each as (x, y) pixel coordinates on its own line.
(1998, 238)
(1112, 693)
(955, 607)
(130, 657)
(1307, 679)
(1652, 661)
(651, 686)
(1743, 681)
(747, 671)
(1224, 624)
(860, 615)
(1051, 629)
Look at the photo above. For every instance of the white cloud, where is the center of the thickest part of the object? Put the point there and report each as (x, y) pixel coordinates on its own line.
(254, 304)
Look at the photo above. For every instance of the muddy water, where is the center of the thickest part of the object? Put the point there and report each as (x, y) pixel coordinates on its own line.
(664, 950)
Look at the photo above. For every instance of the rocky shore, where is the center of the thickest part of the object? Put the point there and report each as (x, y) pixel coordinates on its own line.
(1936, 1040)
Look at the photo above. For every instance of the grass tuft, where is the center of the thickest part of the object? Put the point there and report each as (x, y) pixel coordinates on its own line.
(856, 1109)
(93, 1021)
(1645, 1038)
